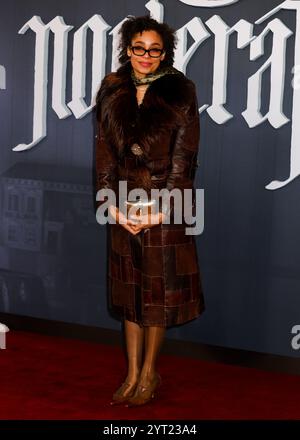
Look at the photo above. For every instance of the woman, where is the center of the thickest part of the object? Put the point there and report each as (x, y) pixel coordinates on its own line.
(148, 135)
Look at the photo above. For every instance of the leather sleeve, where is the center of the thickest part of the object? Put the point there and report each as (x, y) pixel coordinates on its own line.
(106, 164)
(184, 154)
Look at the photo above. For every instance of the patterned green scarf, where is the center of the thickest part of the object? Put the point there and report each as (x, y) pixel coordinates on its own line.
(160, 71)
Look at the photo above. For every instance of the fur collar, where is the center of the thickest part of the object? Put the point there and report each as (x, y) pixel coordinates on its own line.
(163, 108)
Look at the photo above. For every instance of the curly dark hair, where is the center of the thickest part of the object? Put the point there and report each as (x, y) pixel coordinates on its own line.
(135, 25)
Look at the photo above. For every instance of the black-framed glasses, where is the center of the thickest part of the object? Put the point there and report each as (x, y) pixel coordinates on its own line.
(154, 52)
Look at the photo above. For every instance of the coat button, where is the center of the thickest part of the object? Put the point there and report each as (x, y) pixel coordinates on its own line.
(136, 149)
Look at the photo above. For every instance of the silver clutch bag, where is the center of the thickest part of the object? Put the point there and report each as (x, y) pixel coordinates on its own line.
(141, 207)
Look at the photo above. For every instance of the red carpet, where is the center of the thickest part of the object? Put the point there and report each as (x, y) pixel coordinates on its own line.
(46, 377)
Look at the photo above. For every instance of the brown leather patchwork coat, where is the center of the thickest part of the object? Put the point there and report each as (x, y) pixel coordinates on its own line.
(154, 276)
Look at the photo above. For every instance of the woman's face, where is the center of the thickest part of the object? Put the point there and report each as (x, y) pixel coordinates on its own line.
(145, 64)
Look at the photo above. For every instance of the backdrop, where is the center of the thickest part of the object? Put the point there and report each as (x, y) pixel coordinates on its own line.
(244, 58)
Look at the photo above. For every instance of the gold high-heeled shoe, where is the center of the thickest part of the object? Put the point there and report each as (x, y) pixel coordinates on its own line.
(144, 394)
(119, 397)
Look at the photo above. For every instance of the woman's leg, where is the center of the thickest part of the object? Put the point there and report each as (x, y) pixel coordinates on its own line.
(134, 342)
(134, 335)
(149, 378)
(153, 342)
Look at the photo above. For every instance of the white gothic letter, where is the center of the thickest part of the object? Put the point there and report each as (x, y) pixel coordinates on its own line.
(295, 136)
(99, 27)
(156, 10)
(197, 31)
(277, 61)
(222, 33)
(60, 30)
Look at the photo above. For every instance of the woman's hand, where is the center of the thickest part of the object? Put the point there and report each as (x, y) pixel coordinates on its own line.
(146, 221)
(127, 223)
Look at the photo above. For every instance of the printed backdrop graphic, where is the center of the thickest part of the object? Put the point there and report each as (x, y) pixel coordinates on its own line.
(244, 57)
